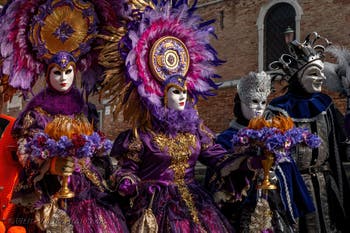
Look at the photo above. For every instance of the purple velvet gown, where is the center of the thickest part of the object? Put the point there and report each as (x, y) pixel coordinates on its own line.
(164, 165)
(89, 211)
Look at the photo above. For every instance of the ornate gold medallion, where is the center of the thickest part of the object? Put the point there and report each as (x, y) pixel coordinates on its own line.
(169, 56)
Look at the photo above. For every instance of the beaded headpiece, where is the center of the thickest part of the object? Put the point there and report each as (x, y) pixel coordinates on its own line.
(254, 86)
(301, 54)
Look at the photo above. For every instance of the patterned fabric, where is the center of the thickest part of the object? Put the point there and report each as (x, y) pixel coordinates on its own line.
(165, 166)
(321, 168)
(89, 211)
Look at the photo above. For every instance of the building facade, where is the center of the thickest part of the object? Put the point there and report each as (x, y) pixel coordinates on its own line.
(250, 34)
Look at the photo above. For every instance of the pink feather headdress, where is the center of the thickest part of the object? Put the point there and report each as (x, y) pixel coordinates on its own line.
(162, 39)
(31, 32)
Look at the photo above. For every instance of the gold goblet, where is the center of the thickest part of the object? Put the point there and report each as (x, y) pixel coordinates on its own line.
(64, 192)
(267, 164)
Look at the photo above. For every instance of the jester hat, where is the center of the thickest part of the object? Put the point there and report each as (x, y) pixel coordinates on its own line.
(300, 55)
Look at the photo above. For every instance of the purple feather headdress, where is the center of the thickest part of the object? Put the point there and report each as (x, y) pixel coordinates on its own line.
(32, 32)
(163, 39)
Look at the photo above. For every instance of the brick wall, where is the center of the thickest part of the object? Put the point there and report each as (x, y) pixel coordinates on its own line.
(237, 43)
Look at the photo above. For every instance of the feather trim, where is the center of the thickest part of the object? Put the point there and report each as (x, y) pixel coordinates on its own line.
(20, 61)
(126, 57)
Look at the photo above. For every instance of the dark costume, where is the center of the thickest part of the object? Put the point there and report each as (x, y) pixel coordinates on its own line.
(321, 168)
(286, 205)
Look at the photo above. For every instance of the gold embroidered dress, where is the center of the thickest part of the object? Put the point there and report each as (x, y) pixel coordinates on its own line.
(86, 212)
(164, 165)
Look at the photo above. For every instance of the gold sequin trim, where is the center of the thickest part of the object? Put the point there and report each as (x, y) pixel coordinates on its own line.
(179, 148)
(92, 176)
(27, 122)
(134, 150)
(210, 135)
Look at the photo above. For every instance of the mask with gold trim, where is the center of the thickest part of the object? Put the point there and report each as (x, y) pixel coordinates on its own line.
(60, 74)
(166, 39)
(175, 93)
(47, 28)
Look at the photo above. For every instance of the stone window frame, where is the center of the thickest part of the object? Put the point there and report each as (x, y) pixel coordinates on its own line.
(261, 25)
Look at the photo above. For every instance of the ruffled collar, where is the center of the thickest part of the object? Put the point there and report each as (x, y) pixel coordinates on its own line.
(171, 122)
(301, 106)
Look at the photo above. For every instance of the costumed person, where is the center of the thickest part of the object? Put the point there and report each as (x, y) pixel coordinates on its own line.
(165, 62)
(321, 168)
(250, 101)
(249, 206)
(10, 167)
(63, 186)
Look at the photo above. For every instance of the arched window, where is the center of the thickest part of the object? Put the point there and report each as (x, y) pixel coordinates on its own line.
(277, 19)
(274, 18)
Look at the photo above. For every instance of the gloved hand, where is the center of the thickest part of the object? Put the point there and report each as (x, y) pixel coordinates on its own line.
(62, 166)
(127, 187)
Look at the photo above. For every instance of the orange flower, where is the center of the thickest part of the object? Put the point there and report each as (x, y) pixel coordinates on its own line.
(258, 123)
(66, 126)
(280, 122)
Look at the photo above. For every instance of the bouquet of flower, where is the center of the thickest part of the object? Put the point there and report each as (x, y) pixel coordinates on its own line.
(277, 136)
(79, 146)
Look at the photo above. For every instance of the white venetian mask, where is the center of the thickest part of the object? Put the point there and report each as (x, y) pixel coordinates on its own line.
(176, 98)
(61, 80)
(312, 77)
(254, 108)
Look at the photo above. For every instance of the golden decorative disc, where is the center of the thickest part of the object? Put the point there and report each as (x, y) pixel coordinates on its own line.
(68, 27)
(168, 56)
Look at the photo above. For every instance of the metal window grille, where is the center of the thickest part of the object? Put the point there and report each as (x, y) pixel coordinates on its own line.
(277, 19)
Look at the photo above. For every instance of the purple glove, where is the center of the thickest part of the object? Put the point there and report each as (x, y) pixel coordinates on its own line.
(127, 187)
